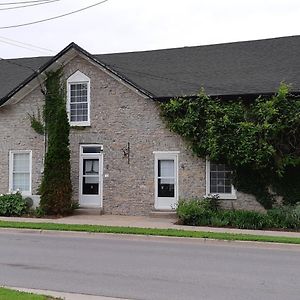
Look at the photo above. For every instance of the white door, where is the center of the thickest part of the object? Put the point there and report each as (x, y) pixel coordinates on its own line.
(166, 180)
(90, 177)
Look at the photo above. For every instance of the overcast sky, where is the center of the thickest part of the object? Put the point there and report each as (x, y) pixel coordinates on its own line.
(132, 25)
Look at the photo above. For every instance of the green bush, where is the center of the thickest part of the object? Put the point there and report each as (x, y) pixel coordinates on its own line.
(203, 212)
(12, 205)
(249, 220)
(285, 216)
(195, 212)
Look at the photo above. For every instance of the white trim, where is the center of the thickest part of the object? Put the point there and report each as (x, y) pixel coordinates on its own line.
(166, 152)
(11, 156)
(79, 78)
(170, 155)
(224, 196)
(91, 155)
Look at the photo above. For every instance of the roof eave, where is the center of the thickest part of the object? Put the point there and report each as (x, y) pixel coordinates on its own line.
(55, 58)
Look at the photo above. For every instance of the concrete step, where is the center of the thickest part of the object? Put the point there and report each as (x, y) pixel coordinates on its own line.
(87, 211)
(170, 214)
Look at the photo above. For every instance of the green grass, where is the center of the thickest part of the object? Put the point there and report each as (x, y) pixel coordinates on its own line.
(8, 294)
(150, 231)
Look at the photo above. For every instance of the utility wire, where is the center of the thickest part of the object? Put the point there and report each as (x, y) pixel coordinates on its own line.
(22, 2)
(24, 45)
(29, 5)
(53, 18)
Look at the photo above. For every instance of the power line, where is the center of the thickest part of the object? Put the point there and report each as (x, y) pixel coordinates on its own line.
(29, 5)
(52, 18)
(22, 2)
(24, 45)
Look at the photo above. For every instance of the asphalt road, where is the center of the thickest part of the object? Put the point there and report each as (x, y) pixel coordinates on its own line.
(149, 268)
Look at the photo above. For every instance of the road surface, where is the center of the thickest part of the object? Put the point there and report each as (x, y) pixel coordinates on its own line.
(149, 268)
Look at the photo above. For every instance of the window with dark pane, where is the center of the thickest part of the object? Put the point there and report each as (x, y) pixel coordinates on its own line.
(166, 178)
(220, 179)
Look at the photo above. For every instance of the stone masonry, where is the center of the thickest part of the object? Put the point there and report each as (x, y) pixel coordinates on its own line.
(118, 115)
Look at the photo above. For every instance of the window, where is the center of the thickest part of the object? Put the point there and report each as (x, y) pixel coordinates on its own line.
(218, 181)
(20, 171)
(78, 106)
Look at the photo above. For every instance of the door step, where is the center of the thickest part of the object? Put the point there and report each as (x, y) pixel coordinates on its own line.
(170, 214)
(87, 211)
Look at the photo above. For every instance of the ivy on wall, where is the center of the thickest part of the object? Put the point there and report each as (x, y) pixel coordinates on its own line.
(56, 188)
(259, 140)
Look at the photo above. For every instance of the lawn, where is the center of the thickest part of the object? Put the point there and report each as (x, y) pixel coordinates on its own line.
(8, 294)
(150, 231)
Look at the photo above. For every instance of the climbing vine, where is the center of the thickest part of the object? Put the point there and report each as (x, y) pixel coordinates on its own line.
(56, 188)
(259, 139)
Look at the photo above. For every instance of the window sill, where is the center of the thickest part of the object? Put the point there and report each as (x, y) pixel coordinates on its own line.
(80, 124)
(223, 196)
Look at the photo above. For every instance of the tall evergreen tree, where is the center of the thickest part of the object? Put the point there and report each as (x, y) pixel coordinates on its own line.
(56, 188)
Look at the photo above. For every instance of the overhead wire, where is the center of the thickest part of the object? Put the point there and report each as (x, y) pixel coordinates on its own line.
(29, 5)
(22, 2)
(53, 18)
(24, 45)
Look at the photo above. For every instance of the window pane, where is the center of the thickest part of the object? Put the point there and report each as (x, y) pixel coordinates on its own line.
(21, 162)
(21, 182)
(90, 166)
(220, 179)
(90, 187)
(91, 149)
(166, 188)
(78, 92)
(165, 168)
(78, 112)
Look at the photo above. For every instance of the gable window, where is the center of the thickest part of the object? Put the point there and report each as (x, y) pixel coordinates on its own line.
(218, 181)
(20, 172)
(78, 105)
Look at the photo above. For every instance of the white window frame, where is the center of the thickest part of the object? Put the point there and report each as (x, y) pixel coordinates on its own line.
(78, 78)
(11, 161)
(165, 155)
(225, 196)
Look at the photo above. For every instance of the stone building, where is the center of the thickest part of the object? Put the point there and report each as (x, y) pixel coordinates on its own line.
(124, 160)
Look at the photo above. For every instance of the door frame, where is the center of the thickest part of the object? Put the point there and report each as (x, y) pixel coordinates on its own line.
(167, 155)
(83, 156)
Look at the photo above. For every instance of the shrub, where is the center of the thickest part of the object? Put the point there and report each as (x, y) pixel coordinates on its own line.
(195, 212)
(249, 220)
(285, 216)
(12, 205)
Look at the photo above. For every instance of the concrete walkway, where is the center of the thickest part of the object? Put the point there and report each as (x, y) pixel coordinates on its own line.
(145, 222)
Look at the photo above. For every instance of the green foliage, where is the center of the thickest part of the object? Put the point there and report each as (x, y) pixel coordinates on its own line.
(259, 140)
(285, 216)
(56, 189)
(200, 212)
(37, 123)
(12, 205)
(195, 212)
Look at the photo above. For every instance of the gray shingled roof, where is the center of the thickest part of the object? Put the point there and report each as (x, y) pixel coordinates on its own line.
(252, 67)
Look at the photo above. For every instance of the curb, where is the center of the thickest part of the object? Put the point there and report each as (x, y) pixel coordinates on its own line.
(63, 295)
